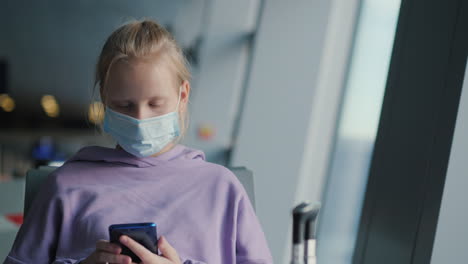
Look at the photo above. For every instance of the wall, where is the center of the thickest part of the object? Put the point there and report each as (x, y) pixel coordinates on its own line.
(450, 244)
(294, 90)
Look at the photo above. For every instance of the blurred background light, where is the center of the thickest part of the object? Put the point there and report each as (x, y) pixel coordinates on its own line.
(7, 103)
(50, 106)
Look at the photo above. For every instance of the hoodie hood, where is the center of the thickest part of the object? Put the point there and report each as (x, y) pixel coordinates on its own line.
(114, 155)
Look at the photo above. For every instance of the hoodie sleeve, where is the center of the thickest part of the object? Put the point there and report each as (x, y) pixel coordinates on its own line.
(38, 237)
(251, 245)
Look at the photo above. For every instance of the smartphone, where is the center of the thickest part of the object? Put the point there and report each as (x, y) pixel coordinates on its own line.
(143, 233)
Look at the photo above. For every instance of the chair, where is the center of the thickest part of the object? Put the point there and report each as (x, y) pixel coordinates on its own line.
(245, 176)
(35, 177)
(34, 180)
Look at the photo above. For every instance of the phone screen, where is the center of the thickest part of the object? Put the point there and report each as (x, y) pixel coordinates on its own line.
(143, 233)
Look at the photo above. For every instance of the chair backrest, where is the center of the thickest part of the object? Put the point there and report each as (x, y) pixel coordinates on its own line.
(245, 176)
(35, 178)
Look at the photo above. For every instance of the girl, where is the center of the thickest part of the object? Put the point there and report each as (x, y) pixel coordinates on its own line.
(200, 207)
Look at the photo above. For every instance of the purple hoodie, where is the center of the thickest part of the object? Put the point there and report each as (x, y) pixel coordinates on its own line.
(200, 207)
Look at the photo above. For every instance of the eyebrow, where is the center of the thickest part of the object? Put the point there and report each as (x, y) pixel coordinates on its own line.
(158, 97)
(154, 98)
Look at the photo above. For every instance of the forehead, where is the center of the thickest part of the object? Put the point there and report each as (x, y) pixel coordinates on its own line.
(138, 79)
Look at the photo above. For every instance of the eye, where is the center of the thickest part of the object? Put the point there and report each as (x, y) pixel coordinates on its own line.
(156, 104)
(123, 105)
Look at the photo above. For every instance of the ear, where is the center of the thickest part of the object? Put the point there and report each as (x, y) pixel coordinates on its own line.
(184, 93)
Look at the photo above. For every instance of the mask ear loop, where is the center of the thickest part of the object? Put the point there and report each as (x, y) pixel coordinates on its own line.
(178, 101)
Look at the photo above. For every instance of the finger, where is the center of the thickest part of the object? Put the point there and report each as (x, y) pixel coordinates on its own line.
(139, 250)
(104, 245)
(105, 257)
(167, 250)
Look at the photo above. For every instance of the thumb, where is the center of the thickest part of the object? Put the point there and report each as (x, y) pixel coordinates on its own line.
(167, 250)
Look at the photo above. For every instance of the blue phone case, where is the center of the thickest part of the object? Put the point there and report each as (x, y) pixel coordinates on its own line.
(143, 233)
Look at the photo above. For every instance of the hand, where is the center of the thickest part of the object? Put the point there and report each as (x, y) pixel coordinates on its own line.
(107, 252)
(169, 254)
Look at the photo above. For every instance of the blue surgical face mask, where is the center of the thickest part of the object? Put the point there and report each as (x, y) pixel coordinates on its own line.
(142, 137)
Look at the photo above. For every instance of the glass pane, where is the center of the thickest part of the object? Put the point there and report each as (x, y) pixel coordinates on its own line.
(357, 127)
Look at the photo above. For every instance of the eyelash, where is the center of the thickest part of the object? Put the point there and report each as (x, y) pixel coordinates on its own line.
(155, 105)
(130, 105)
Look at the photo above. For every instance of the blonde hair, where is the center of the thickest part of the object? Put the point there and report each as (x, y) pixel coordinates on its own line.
(142, 40)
